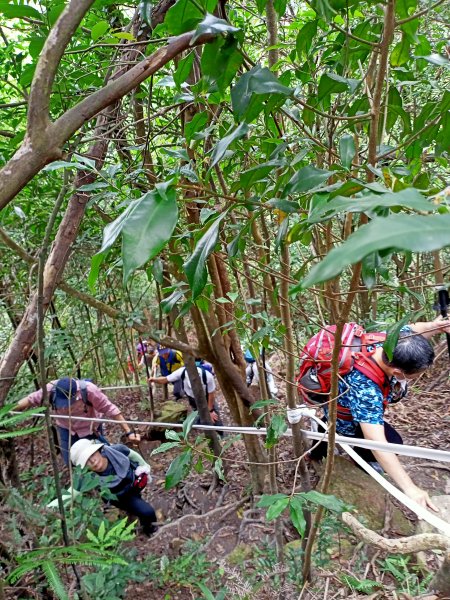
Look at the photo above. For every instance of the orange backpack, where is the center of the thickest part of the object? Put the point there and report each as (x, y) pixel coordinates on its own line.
(314, 377)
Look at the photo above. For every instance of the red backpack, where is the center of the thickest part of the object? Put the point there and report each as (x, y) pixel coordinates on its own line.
(314, 377)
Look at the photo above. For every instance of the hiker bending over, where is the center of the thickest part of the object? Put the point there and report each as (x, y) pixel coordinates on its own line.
(182, 376)
(169, 360)
(362, 401)
(77, 398)
(123, 471)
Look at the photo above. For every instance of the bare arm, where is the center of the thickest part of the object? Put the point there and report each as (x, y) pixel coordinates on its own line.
(393, 467)
(430, 328)
(211, 398)
(158, 380)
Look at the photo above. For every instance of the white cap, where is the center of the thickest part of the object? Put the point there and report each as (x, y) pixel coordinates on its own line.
(82, 450)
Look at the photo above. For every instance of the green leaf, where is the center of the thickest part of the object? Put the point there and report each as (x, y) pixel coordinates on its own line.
(436, 59)
(393, 333)
(99, 29)
(296, 506)
(409, 198)
(195, 266)
(402, 232)
(248, 178)
(277, 508)
(165, 447)
(304, 38)
(12, 11)
(172, 435)
(366, 586)
(96, 263)
(145, 10)
(275, 430)
(185, 15)
(269, 499)
(212, 24)
(331, 83)
(326, 500)
(253, 89)
(400, 54)
(178, 469)
(305, 179)
(183, 69)
(221, 147)
(188, 422)
(221, 61)
(218, 469)
(347, 150)
(62, 164)
(148, 227)
(197, 123)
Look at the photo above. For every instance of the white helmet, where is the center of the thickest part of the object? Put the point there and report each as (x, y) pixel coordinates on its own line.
(82, 450)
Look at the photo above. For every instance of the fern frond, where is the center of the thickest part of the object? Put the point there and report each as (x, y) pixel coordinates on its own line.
(13, 434)
(54, 580)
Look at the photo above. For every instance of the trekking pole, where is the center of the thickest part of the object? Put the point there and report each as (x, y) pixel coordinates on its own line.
(444, 301)
(150, 390)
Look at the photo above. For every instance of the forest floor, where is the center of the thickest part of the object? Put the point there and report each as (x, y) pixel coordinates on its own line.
(212, 519)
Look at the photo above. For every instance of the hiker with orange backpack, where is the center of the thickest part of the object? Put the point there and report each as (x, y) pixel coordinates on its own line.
(368, 383)
(77, 398)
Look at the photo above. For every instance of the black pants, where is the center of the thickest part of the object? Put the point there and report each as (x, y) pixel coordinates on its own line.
(392, 436)
(132, 503)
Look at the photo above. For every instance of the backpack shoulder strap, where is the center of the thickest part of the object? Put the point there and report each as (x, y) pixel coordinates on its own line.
(368, 367)
(84, 393)
(205, 382)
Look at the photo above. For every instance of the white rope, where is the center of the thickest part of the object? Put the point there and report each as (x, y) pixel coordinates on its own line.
(419, 510)
(405, 450)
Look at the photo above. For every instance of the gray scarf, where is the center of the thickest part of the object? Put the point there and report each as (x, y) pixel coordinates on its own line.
(119, 461)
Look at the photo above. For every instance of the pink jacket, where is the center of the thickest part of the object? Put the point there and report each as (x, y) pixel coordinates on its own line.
(101, 407)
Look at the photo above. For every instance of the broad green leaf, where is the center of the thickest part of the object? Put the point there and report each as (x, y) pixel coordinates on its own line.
(90, 187)
(185, 15)
(248, 178)
(188, 422)
(304, 38)
(221, 61)
(212, 24)
(275, 430)
(267, 500)
(280, 7)
(197, 123)
(62, 164)
(331, 83)
(305, 179)
(184, 68)
(275, 510)
(296, 506)
(12, 11)
(172, 435)
(326, 500)
(145, 10)
(393, 333)
(96, 263)
(221, 147)
(195, 266)
(409, 198)
(253, 89)
(347, 150)
(148, 228)
(218, 469)
(436, 59)
(114, 229)
(400, 54)
(178, 469)
(165, 447)
(168, 303)
(401, 232)
(99, 29)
